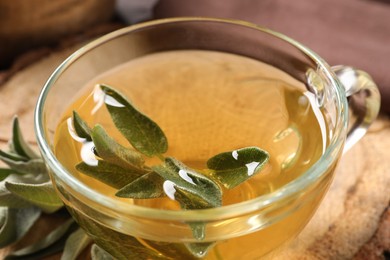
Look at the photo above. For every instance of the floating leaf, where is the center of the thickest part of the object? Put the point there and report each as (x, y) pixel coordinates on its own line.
(234, 167)
(42, 195)
(147, 186)
(81, 127)
(16, 223)
(97, 253)
(113, 152)
(52, 243)
(75, 244)
(191, 189)
(144, 134)
(111, 174)
(19, 144)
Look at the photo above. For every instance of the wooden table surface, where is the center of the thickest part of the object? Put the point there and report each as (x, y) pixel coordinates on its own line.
(353, 221)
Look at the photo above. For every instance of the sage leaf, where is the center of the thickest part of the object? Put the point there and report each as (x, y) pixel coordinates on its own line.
(234, 167)
(110, 174)
(34, 166)
(111, 151)
(5, 172)
(16, 223)
(7, 199)
(191, 189)
(97, 253)
(75, 244)
(52, 243)
(19, 144)
(81, 127)
(144, 134)
(12, 156)
(147, 186)
(42, 195)
(119, 245)
(11, 200)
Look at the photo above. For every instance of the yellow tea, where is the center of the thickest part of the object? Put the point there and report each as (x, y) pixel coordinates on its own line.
(206, 103)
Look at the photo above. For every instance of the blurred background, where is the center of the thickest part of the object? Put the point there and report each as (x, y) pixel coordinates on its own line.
(350, 32)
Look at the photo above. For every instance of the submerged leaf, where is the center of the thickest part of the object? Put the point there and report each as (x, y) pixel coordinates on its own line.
(110, 174)
(81, 127)
(19, 145)
(113, 152)
(97, 253)
(16, 223)
(191, 189)
(75, 244)
(42, 195)
(52, 243)
(234, 167)
(144, 134)
(147, 186)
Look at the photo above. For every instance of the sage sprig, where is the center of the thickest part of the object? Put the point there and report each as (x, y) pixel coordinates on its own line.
(26, 193)
(143, 133)
(124, 168)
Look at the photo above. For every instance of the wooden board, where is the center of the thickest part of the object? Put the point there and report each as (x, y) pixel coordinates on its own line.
(353, 222)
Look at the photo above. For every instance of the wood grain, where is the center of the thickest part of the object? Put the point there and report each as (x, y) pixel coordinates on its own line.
(352, 221)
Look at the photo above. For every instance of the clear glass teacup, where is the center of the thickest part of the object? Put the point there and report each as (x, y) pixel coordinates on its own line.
(249, 228)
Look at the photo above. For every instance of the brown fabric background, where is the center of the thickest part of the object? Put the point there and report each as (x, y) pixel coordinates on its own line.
(349, 32)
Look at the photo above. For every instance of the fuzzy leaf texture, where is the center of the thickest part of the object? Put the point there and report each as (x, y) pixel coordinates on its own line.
(234, 167)
(190, 188)
(111, 151)
(143, 133)
(41, 195)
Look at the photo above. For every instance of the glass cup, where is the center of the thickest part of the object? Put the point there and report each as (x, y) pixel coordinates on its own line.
(246, 230)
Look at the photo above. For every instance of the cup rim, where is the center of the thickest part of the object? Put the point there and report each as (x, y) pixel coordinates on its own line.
(309, 177)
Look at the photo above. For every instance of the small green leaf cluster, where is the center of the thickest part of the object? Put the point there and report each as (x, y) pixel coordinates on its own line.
(124, 168)
(26, 193)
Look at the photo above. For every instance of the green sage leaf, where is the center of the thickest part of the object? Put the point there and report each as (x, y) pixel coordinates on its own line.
(12, 156)
(191, 189)
(52, 243)
(42, 195)
(75, 244)
(234, 167)
(147, 186)
(19, 144)
(110, 174)
(81, 127)
(34, 166)
(97, 253)
(11, 200)
(16, 223)
(113, 152)
(5, 172)
(144, 134)
(119, 245)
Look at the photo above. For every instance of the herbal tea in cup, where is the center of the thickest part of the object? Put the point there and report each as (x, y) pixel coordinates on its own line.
(192, 138)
